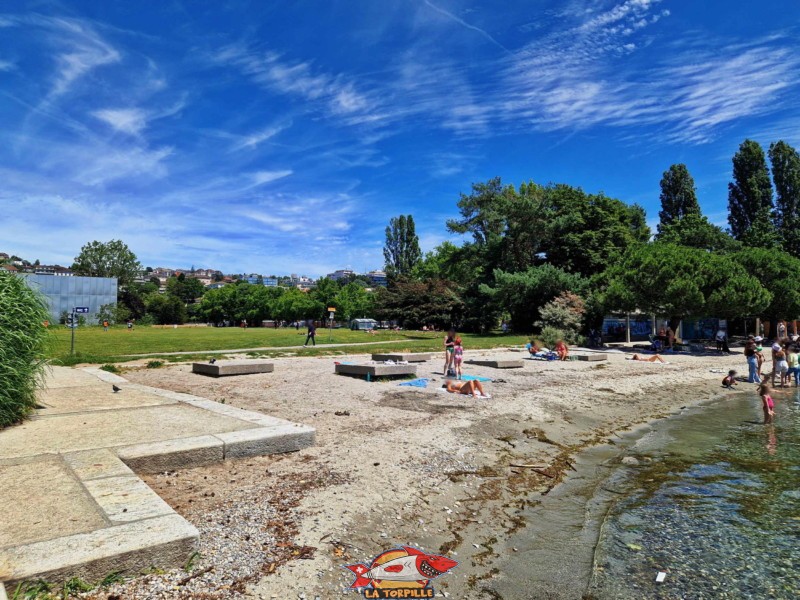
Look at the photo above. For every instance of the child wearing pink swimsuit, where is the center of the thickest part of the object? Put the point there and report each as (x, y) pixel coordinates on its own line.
(767, 403)
(458, 357)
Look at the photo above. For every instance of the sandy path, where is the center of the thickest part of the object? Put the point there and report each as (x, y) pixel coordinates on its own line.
(422, 467)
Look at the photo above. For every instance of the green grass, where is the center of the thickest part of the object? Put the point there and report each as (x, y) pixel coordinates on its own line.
(98, 347)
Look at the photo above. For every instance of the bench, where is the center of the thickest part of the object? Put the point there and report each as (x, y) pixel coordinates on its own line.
(497, 364)
(592, 357)
(402, 357)
(373, 371)
(223, 368)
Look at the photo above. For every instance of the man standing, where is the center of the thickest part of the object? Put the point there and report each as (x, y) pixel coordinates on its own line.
(781, 330)
(722, 341)
(312, 333)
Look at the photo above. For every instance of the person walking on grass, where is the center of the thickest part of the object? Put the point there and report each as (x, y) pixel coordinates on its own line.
(312, 334)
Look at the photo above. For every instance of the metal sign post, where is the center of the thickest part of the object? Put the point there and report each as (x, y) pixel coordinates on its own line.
(331, 314)
(74, 324)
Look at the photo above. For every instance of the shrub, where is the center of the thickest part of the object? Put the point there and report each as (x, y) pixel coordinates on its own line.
(23, 343)
(110, 368)
(562, 317)
(155, 364)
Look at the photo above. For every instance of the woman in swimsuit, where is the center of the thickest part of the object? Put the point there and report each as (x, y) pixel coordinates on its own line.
(470, 387)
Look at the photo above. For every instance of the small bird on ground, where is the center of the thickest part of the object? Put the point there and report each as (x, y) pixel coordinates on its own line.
(212, 361)
(116, 389)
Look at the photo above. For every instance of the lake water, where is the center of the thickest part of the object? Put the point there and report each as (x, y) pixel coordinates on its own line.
(717, 509)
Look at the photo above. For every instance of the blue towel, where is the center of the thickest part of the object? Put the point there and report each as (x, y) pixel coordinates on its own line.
(421, 383)
(474, 378)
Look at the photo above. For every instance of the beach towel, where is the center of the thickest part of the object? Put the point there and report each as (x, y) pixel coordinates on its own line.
(474, 378)
(420, 383)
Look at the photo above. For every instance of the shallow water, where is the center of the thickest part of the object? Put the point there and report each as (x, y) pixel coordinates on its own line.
(717, 509)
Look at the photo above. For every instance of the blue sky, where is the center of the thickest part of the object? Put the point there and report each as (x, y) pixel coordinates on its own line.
(281, 136)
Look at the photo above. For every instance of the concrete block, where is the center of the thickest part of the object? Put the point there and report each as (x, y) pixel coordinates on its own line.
(376, 370)
(165, 542)
(595, 357)
(126, 499)
(497, 364)
(401, 357)
(267, 440)
(223, 368)
(96, 464)
(171, 455)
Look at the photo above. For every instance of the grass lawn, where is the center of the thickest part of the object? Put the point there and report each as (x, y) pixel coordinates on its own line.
(94, 345)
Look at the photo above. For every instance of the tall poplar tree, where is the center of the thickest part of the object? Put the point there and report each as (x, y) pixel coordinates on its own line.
(786, 176)
(401, 252)
(678, 196)
(750, 205)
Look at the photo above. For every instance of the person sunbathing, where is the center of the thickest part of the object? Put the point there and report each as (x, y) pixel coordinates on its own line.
(470, 387)
(654, 358)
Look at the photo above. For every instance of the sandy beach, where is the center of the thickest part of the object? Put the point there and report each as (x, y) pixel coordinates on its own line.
(397, 465)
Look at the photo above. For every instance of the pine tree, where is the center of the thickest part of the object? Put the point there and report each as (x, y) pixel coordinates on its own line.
(750, 197)
(678, 196)
(786, 176)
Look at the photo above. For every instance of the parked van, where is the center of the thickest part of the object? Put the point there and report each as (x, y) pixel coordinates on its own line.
(363, 324)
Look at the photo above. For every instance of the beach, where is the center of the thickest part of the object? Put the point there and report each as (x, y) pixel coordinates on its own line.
(397, 465)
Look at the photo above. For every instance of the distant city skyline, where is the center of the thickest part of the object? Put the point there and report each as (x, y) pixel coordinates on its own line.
(248, 133)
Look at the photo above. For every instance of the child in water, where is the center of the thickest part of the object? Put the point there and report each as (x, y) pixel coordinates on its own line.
(767, 403)
(458, 357)
(730, 380)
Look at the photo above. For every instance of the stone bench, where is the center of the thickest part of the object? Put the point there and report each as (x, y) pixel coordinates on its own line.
(592, 357)
(223, 368)
(402, 357)
(497, 364)
(373, 371)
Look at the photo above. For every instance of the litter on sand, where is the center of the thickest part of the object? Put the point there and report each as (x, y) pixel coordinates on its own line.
(420, 383)
(661, 577)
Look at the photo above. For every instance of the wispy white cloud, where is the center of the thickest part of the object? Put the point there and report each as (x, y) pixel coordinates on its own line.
(456, 19)
(126, 120)
(262, 177)
(255, 139)
(7, 65)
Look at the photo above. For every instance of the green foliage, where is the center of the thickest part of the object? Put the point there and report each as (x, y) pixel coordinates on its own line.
(353, 301)
(295, 305)
(418, 303)
(187, 289)
(786, 176)
(696, 231)
(550, 336)
(110, 368)
(106, 313)
(155, 364)
(326, 291)
(524, 294)
(778, 272)
(750, 197)
(678, 196)
(563, 314)
(111, 579)
(676, 281)
(110, 259)
(32, 590)
(166, 309)
(23, 347)
(74, 586)
(401, 252)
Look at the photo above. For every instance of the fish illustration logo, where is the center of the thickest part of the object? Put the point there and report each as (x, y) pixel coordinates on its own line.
(403, 572)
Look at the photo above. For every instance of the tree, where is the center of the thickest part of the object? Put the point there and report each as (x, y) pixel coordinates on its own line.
(166, 309)
(418, 303)
(523, 294)
(353, 301)
(678, 195)
(750, 197)
(562, 319)
(676, 282)
(786, 176)
(696, 231)
(326, 291)
(777, 271)
(401, 251)
(188, 289)
(112, 259)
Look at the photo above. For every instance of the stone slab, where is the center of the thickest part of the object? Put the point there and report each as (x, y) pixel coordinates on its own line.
(105, 429)
(63, 399)
(267, 440)
(29, 516)
(166, 541)
(126, 499)
(96, 464)
(376, 370)
(595, 357)
(170, 455)
(403, 357)
(224, 368)
(497, 364)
